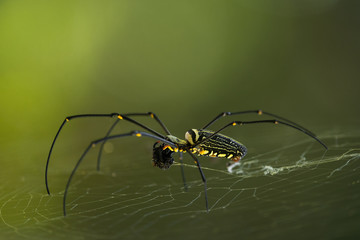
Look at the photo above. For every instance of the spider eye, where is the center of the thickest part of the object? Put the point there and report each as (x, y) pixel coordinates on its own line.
(162, 158)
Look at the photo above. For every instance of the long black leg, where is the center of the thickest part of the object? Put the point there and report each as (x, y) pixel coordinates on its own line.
(103, 143)
(151, 114)
(258, 112)
(273, 121)
(119, 116)
(182, 170)
(161, 124)
(93, 143)
(202, 177)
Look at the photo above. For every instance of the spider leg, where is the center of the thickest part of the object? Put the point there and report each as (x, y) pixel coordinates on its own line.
(119, 116)
(202, 177)
(93, 143)
(273, 121)
(258, 112)
(103, 143)
(151, 114)
(182, 170)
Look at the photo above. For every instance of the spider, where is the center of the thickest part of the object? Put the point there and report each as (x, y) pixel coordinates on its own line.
(201, 142)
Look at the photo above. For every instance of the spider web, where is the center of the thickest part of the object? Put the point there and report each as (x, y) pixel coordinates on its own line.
(292, 190)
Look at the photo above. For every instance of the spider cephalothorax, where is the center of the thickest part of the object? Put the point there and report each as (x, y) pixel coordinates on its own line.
(162, 156)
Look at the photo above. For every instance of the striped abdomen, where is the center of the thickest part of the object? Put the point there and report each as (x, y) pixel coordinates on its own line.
(217, 146)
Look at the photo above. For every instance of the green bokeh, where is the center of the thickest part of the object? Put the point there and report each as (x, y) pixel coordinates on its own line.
(185, 60)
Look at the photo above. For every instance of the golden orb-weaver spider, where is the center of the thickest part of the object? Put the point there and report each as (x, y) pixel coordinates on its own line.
(201, 141)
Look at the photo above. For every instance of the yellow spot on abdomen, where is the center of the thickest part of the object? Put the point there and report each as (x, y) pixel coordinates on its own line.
(203, 152)
(212, 154)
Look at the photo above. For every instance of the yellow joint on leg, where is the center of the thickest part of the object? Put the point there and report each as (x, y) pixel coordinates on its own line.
(67, 119)
(234, 123)
(138, 134)
(276, 122)
(152, 115)
(260, 112)
(120, 117)
(172, 149)
(168, 147)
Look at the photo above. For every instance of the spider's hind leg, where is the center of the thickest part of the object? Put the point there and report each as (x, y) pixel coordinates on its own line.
(258, 112)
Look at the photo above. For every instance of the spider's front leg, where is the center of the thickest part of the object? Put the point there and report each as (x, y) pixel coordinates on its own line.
(93, 143)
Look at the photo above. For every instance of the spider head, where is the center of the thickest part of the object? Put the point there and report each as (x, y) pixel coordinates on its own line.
(162, 156)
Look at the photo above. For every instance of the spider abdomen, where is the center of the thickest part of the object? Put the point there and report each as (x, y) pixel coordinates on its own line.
(218, 145)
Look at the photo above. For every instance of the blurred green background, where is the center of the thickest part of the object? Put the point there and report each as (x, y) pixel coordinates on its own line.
(186, 61)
